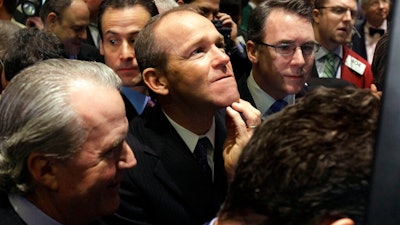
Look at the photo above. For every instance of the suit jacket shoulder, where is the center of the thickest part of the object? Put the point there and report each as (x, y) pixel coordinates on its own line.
(7, 213)
(359, 80)
(358, 39)
(167, 185)
(90, 53)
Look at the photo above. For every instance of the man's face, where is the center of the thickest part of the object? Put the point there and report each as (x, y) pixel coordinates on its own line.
(120, 28)
(277, 74)
(89, 180)
(376, 11)
(335, 22)
(210, 8)
(71, 26)
(199, 73)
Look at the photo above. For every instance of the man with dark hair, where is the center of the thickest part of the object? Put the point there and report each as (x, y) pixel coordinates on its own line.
(333, 24)
(281, 58)
(181, 141)
(119, 23)
(68, 20)
(309, 164)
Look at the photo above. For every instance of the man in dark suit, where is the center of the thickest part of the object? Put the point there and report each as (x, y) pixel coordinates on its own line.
(333, 23)
(68, 19)
(181, 178)
(119, 23)
(63, 156)
(371, 28)
(281, 58)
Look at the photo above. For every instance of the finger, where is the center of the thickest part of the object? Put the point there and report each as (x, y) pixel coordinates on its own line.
(252, 116)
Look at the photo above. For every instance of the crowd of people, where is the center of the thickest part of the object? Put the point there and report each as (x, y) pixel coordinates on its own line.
(176, 112)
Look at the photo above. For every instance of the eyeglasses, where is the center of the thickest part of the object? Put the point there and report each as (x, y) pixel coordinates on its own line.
(340, 11)
(287, 49)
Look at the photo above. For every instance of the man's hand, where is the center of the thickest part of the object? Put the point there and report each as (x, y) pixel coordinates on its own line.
(241, 120)
(227, 21)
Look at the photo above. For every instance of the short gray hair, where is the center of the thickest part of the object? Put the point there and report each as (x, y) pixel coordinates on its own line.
(36, 115)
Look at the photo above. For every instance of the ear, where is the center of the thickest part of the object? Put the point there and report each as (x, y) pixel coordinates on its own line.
(316, 15)
(51, 21)
(343, 221)
(252, 51)
(156, 81)
(42, 170)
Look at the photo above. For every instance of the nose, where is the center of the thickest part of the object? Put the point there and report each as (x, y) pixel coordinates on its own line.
(298, 57)
(127, 158)
(220, 58)
(348, 15)
(127, 50)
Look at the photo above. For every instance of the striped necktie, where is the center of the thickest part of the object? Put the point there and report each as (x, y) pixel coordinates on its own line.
(330, 70)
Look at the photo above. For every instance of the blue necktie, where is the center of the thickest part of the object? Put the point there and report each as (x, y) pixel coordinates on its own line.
(276, 107)
(200, 153)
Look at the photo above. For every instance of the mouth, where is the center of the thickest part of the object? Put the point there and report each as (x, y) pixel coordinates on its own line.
(296, 77)
(224, 76)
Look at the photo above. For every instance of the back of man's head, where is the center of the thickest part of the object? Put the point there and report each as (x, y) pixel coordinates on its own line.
(29, 46)
(308, 164)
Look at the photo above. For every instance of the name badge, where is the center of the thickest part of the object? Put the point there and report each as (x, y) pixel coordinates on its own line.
(355, 64)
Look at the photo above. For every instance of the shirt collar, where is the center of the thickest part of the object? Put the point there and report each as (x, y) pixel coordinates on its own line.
(191, 138)
(28, 212)
(137, 99)
(263, 100)
(321, 52)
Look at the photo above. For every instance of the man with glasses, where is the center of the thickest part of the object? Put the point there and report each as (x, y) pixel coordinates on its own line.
(333, 23)
(281, 48)
(370, 30)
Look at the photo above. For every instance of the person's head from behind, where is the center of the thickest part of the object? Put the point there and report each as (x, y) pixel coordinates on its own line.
(187, 66)
(7, 30)
(27, 47)
(68, 19)
(62, 130)
(119, 24)
(282, 58)
(310, 164)
(334, 21)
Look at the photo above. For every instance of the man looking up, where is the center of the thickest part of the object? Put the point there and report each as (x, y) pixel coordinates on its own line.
(181, 176)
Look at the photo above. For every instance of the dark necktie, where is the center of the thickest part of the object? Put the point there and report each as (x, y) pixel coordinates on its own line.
(276, 107)
(200, 153)
(373, 31)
